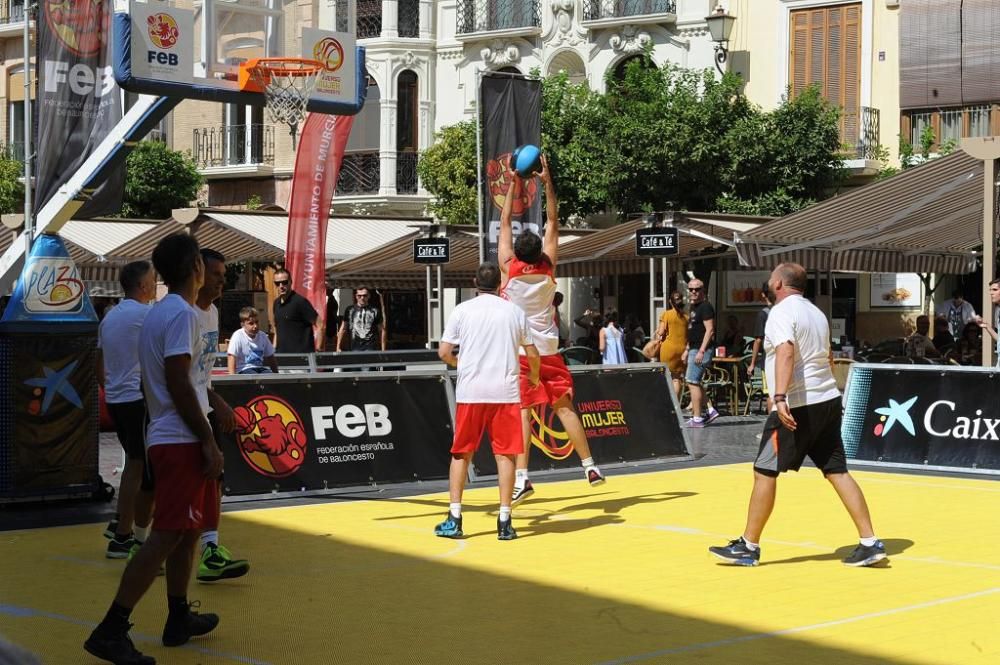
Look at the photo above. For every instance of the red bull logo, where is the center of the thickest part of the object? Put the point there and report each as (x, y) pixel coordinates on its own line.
(79, 24)
(163, 30)
(270, 436)
(330, 52)
(498, 179)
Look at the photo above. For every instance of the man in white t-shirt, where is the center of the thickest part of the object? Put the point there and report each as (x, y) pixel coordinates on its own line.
(804, 421)
(217, 562)
(488, 331)
(118, 373)
(958, 312)
(183, 455)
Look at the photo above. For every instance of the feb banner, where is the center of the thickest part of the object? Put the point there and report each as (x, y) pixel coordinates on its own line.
(942, 416)
(510, 116)
(627, 414)
(80, 102)
(294, 434)
(317, 168)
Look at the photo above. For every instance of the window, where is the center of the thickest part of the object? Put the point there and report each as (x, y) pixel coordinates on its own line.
(406, 120)
(243, 134)
(369, 18)
(949, 124)
(826, 51)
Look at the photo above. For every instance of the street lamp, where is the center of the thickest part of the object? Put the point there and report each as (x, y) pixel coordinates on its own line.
(720, 26)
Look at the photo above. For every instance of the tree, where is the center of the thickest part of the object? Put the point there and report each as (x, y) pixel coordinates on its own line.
(158, 180)
(11, 187)
(448, 170)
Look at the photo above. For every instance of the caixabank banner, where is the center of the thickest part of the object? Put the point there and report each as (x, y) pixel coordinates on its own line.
(627, 415)
(933, 416)
(293, 434)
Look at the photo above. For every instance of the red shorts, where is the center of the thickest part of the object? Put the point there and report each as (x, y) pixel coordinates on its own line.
(185, 499)
(554, 382)
(501, 421)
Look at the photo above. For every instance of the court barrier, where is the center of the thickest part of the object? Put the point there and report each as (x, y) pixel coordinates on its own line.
(321, 430)
(923, 416)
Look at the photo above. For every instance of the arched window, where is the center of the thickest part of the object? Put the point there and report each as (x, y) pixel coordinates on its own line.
(510, 69)
(644, 61)
(571, 63)
(407, 114)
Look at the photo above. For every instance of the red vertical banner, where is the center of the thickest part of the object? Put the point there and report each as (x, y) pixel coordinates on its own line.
(317, 168)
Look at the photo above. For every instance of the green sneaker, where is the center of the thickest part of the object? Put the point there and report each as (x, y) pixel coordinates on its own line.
(217, 563)
(135, 548)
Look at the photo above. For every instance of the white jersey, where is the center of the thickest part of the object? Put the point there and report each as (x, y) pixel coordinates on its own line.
(798, 321)
(532, 288)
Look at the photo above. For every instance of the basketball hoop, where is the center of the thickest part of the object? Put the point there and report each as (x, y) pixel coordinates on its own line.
(287, 84)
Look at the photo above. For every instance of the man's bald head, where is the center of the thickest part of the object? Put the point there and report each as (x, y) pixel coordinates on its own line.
(792, 276)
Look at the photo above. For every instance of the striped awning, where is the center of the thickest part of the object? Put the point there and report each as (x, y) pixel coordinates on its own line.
(235, 245)
(925, 219)
(392, 266)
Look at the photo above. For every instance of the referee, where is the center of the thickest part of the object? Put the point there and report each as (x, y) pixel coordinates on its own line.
(804, 421)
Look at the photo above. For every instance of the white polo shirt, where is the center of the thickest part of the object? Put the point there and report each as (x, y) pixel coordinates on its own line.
(797, 320)
(489, 331)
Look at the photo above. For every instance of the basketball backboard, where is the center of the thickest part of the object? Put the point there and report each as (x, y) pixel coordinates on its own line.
(194, 48)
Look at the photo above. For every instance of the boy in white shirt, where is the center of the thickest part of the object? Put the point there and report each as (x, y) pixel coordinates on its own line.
(250, 351)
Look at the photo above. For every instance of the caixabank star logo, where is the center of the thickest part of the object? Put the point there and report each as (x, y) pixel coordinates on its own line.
(498, 180)
(79, 24)
(163, 30)
(893, 414)
(271, 436)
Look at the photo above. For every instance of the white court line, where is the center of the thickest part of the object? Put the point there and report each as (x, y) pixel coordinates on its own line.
(805, 545)
(743, 468)
(797, 629)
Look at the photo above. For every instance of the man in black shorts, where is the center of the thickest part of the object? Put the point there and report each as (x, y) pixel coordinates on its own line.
(804, 422)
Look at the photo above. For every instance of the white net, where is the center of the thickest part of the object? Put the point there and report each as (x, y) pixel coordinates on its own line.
(287, 86)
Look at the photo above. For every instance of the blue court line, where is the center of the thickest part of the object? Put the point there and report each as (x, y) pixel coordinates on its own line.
(31, 613)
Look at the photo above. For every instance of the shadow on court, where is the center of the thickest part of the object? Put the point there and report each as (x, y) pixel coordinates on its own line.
(892, 546)
(323, 599)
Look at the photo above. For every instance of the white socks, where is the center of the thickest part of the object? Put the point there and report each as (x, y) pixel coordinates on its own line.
(455, 509)
(587, 463)
(520, 475)
(504, 513)
(209, 538)
(140, 533)
(869, 542)
(753, 547)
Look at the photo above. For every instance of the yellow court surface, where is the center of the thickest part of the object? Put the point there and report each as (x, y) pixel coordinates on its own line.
(614, 574)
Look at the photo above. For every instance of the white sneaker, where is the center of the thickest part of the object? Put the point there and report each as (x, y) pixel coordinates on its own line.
(522, 493)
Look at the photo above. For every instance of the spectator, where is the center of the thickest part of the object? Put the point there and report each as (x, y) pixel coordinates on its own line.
(700, 349)
(611, 341)
(635, 334)
(591, 322)
(294, 318)
(363, 326)
(557, 301)
(958, 312)
(970, 345)
(332, 328)
(943, 339)
(758, 330)
(732, 339)
(672, 333)
(919, 344)
(995, 301)
(250, 351)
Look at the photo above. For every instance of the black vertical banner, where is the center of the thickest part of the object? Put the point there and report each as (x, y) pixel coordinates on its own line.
(510, 115)
(79, 100)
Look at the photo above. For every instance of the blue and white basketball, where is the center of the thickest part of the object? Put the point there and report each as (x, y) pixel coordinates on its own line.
(527, 160)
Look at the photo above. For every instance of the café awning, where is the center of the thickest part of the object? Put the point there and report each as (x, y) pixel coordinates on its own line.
(925, 219)
(391, 266)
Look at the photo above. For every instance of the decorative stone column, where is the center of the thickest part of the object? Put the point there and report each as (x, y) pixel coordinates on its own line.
(426, 18)
(390, 19)
(425, 136)
(387, 147)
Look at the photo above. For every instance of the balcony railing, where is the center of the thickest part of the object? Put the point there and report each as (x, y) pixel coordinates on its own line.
(406, 173)
(233, 145)
(369, 18)
(860, 133)
(11, 12)
(408, 18)
(489, 15)
(359, 173)
(596, 10)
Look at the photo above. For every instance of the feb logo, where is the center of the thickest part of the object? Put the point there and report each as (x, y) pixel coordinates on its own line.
(79, 24)
(498, 179)
(270, 436)
(553, 442)
(52, 285)
(163, 30)
(330, 52)
(893, 414)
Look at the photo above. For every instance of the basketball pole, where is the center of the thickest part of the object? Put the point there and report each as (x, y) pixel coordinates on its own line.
(29, 222)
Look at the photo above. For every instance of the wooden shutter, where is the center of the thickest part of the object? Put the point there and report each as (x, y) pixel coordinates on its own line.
(826, 51)
(980, 56)
(930, 53)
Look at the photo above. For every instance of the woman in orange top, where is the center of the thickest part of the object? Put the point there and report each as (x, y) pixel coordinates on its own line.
(672, 333)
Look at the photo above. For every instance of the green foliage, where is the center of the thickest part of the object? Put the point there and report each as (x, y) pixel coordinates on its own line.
(448, 170)
(11, 188)
(158, 180)
(254, 202)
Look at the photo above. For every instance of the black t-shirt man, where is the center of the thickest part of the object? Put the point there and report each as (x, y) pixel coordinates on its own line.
(364, 324)
(294, 318)
(700, 313)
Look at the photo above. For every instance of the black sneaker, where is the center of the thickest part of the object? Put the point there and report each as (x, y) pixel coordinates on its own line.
(119, 549)
(737, 552)
(182, 627)
(522, 493)
(451, 527)
(864, 555)
(115, 648)
(111, 529)
(505, 530)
